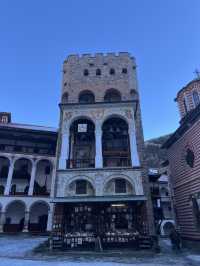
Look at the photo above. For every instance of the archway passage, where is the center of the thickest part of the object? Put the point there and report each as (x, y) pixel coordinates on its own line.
(115, 143)
(82, 144)
(38, 217)
(42, 185)
(4, 168)
(21, 177)
(15, 214)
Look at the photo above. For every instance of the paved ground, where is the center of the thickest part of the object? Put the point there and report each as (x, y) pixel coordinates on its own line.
(17, 251)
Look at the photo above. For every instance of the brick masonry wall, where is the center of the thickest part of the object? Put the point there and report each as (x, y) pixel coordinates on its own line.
(74, 80)
(186, 180)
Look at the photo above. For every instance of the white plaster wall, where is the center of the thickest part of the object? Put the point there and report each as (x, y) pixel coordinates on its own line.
(98, 178)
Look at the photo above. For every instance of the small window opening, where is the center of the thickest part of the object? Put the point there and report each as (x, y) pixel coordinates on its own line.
(85, 72)
(124, 70)
(112, 71)
(98, 72)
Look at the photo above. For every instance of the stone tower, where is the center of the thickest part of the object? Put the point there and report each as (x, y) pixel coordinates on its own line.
(101, 174)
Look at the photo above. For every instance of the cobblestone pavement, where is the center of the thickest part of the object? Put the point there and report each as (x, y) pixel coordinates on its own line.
(17, 251)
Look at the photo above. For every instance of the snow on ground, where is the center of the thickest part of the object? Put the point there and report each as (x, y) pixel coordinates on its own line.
(18, 246)
(9, 262)
(16, 251)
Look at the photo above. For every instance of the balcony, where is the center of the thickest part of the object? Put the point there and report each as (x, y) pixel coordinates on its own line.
(116, 161)
(80, 163)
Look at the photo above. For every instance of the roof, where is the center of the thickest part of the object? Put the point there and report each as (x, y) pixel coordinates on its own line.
(188, 84)
(28, 127)
(186, 123)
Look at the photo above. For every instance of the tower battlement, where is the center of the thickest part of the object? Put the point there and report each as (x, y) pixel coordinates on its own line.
(75, 58)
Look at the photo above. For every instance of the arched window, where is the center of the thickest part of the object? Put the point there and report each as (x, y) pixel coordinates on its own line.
(85, 72)
(112, 95)
(82, 144)
(115, 143)
(98, 72)
(185, 103)
(196, 98)
(65, 97)
(86, 97)
(112, 71)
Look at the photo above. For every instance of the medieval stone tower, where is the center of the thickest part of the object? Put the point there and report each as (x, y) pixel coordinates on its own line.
(101, 183)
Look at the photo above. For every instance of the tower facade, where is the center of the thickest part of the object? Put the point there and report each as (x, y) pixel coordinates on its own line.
(101, 181)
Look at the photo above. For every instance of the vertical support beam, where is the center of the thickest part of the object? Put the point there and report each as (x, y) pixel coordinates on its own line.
(9, 178)
(26, 221)
(49, 221)
(133, 145)
(53, 180)
(98, 141)
(32, 180)
(64, 152)
(2, 221)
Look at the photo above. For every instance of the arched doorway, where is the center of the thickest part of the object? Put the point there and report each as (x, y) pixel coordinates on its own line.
(21, 177)
(4, 168)
(42, 185)
(15, 214)
(38, 217)
(115, 143)
(82, 144)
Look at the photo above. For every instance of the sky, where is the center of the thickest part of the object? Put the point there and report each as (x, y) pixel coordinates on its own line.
(36, 36)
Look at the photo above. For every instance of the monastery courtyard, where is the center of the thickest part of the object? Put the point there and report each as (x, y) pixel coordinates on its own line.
(23, 250)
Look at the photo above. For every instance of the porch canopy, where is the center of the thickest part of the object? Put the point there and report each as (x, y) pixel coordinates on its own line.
(113, 198)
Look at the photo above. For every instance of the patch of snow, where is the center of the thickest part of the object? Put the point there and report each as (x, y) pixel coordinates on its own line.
(18, 246)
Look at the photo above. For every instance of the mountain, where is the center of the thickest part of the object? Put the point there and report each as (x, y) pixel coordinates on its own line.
(153, 153)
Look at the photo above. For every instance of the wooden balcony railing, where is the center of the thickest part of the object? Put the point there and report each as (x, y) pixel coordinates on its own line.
(116, 161)
(81, 163)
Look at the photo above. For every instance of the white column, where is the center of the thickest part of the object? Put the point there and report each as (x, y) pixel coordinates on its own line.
(133, 146)
(32, 180)
(53, 180)
(9, 178)
(98, 141)
(2, 221)
(64, 152)
(26, 221)
(49, 221)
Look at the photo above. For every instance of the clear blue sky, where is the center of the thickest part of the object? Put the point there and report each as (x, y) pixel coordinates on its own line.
(37, 35)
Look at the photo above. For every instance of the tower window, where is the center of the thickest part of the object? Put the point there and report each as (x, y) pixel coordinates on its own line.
(85, 72)
(124, 70)
(86, 97)
(98, 72)
(196, 98)
(112, 71)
